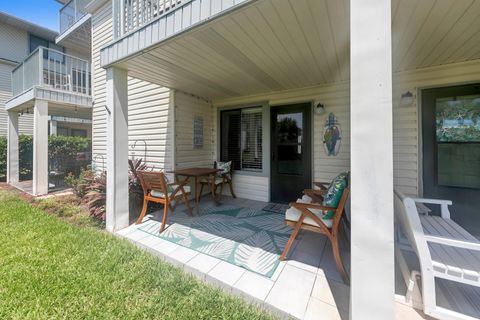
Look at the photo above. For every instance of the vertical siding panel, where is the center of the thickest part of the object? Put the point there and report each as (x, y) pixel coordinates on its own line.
(150, 117)
(186, 108)
(14, 46)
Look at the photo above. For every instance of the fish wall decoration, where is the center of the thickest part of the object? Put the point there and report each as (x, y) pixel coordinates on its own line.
(332, 135)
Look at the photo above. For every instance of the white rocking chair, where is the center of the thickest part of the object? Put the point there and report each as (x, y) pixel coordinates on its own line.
(444, 249)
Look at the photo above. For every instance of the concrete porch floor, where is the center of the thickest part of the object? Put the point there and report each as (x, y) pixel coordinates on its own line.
(25, 186)
(305, 286)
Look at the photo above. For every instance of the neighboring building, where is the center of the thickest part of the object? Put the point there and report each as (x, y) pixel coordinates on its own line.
(51, 85)
(18, 39)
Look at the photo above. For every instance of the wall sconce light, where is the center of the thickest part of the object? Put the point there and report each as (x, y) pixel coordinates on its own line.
(406, 99)
(319, 108)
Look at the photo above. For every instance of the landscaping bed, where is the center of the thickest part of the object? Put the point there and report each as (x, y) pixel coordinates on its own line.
(52, 269)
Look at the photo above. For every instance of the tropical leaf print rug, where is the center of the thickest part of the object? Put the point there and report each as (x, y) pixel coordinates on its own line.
(249, 238)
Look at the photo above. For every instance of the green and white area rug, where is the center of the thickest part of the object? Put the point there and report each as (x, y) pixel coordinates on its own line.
(249, 238)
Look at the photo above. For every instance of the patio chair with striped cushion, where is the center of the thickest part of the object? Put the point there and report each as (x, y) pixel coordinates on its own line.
(156, 189)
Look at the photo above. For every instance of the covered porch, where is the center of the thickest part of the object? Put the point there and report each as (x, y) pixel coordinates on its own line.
(46, 172)
(309, 275)
(366, 62)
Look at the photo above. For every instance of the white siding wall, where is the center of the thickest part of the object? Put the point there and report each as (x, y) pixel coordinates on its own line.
(186, 108)
(149, 109)
(336, 98)
(14, 43)
(101, 35)
(13, 47)
(150, 120)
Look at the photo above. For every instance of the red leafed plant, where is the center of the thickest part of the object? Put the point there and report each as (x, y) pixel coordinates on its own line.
(96, 195)
(92, 187)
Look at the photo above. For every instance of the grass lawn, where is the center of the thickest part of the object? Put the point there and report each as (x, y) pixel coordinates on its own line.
(50, 269)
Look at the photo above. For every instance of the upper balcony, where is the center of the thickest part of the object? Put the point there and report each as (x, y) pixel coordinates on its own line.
(138, 13)
(139, 25)
(75, 25)
(51, 75)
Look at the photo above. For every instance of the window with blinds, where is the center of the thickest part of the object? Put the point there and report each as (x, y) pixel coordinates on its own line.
(241, 138)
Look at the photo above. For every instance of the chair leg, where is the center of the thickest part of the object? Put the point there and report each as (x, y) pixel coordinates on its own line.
(221, 189)
(187, 203)
(201, 192)
(164, 219)
(338, 258)
(142, 213)
(292, 238)
(231, 189)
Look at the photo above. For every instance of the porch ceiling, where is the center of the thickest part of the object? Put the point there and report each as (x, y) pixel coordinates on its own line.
(78, 37)
(60, 110)
(286, 44)
(266, 46)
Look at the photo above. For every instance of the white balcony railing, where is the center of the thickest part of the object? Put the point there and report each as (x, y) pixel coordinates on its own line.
(71, 12)
(52, 69)
(130, 15)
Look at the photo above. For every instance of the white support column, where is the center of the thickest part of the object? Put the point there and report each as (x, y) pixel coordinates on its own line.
(117, 150)
(12, 149)
(53, 127)
(40, 147)
(372, 252)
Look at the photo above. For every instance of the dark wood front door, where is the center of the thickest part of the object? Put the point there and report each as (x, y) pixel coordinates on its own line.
(290, 151)
(451, 150)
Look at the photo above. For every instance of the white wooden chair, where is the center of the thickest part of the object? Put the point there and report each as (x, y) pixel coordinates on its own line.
(444, 249)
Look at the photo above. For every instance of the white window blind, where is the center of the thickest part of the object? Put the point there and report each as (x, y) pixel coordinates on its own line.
(241, 138)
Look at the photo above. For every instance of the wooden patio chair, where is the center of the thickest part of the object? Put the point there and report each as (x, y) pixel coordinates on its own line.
(318, 194)
(156, 189)
(309, 216)
(221, 179)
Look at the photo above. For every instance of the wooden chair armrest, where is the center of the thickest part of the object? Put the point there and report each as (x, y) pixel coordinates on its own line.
(322, 185)
(298, 205)
(315, 191)
(453, 242)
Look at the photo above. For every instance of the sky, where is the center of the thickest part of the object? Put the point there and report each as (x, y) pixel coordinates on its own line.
(41, 12)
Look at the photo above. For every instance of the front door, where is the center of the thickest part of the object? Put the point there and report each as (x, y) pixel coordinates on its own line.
(290, 151)
(451, 150)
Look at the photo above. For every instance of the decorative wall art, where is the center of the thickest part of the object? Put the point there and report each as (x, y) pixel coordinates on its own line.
(197, 132)
(332, 135)
(458, 119)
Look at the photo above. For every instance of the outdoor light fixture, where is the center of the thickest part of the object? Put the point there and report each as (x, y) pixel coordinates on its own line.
(319, 108)
(407, 99)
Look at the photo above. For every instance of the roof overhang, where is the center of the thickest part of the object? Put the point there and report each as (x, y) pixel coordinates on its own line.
(79, 36)
(28, 26)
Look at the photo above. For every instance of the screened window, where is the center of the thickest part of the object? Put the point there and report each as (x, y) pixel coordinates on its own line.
(36, 42)
(241, 138)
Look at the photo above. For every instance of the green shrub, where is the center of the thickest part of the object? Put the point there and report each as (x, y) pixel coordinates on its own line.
(25, 156)
(3, 158)
(62, 152)
(80, 183)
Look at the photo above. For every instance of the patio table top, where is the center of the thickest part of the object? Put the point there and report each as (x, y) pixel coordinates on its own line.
(195, 172)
